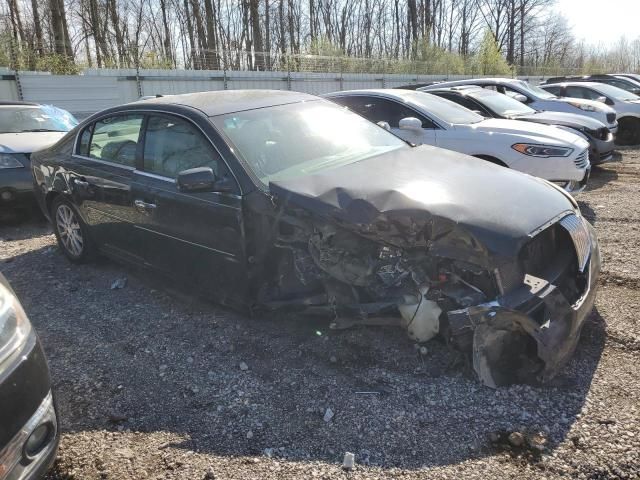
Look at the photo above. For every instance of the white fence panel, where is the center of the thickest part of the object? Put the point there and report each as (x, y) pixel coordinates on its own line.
(96, 89)
(80, 94)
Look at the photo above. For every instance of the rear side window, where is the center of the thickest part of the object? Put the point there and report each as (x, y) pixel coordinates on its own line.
(172, 145)
(115, 139)
(554, 90)
(85, 141)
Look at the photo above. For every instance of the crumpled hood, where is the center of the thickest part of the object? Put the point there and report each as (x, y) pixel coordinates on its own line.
(28, 142)
(563, 118)
(528, 131)
(419, 196)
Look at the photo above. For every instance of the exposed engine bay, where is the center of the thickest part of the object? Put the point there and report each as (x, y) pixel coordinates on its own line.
(517, 326)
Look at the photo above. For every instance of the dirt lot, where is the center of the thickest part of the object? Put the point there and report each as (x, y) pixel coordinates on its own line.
(150, 385)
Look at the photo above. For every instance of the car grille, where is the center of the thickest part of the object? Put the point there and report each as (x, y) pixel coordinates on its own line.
(581, 238)
(559, 253)
(582, 160)
(611, 117)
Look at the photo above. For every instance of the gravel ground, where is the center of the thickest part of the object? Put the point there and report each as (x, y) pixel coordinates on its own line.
(151, 383)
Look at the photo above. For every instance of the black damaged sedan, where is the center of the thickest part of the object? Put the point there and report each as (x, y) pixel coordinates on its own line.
(28, 420)
(281, 201)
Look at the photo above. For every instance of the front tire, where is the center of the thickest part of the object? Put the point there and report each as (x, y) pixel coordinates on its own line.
(71, 232)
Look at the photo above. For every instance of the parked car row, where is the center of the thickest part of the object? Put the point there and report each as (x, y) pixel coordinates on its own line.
(364, 206)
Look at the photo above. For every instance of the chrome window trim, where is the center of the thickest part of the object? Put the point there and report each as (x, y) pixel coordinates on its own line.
(104, 162)
(143, 112)
(154, 175)
(172, 181)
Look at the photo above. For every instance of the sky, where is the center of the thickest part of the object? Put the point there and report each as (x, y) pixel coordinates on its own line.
(598, 21)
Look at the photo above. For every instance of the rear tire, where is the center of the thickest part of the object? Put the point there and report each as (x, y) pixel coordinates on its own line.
(71, 232)
(628, 131)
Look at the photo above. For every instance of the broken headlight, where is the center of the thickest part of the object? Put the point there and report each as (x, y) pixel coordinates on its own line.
(543, 151)
(14, 324)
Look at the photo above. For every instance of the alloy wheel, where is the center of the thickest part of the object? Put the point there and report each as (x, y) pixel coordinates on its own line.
(69, 230)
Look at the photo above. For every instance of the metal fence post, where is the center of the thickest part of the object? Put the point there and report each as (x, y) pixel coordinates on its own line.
(341, 74)
(288, 72)
(16, 73)
(138, 82)
(224, 77)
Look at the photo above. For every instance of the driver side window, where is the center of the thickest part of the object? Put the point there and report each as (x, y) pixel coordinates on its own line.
(382, 110)
(172, 145)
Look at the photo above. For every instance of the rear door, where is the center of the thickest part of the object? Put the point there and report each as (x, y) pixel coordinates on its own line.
(196, 237)
(101, 177)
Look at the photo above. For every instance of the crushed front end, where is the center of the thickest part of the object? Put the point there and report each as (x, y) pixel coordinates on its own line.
(519, 318)
(530, 332)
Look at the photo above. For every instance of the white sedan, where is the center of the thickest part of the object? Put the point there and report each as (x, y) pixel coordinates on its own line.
(420, 118)
(626, 104)
(539, 99)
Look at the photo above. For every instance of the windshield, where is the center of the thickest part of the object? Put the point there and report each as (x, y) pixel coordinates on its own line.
(536, 90)
(288, 141)
(445, 110)
(616, 93)
(501, 104)
(45, 118)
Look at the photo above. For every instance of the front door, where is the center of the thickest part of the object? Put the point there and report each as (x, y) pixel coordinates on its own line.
(195, 237)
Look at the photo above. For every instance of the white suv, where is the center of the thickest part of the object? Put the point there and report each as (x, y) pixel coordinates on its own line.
(420, 118)
(539, 99)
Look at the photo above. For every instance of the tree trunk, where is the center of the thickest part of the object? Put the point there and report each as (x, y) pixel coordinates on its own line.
(202, 37)
(256, 34)
(37, 28)
(193, 54)
(168, 54)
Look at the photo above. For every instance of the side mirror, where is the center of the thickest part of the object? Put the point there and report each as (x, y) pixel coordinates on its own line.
(478, 112)
(202, 179)
(385, 125)
(521, 98)
(601, 99)
(410, 123)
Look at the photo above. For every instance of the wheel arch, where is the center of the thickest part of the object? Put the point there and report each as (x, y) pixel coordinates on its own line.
(491, 159)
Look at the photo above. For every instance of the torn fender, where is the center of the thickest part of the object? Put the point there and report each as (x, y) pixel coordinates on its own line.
(511, 346)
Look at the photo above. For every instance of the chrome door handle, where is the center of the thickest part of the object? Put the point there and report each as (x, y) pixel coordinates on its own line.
(144, 207)
(81, 183)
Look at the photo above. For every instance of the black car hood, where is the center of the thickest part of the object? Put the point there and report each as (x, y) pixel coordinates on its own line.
(466, 207)
(562, 118)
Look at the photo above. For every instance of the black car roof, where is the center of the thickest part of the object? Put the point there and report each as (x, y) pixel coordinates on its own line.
(229, 101)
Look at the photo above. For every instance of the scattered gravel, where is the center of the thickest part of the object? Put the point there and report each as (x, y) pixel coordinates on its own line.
(152, 383)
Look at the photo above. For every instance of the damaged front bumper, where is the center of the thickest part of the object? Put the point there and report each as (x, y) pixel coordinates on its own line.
(530, 333)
